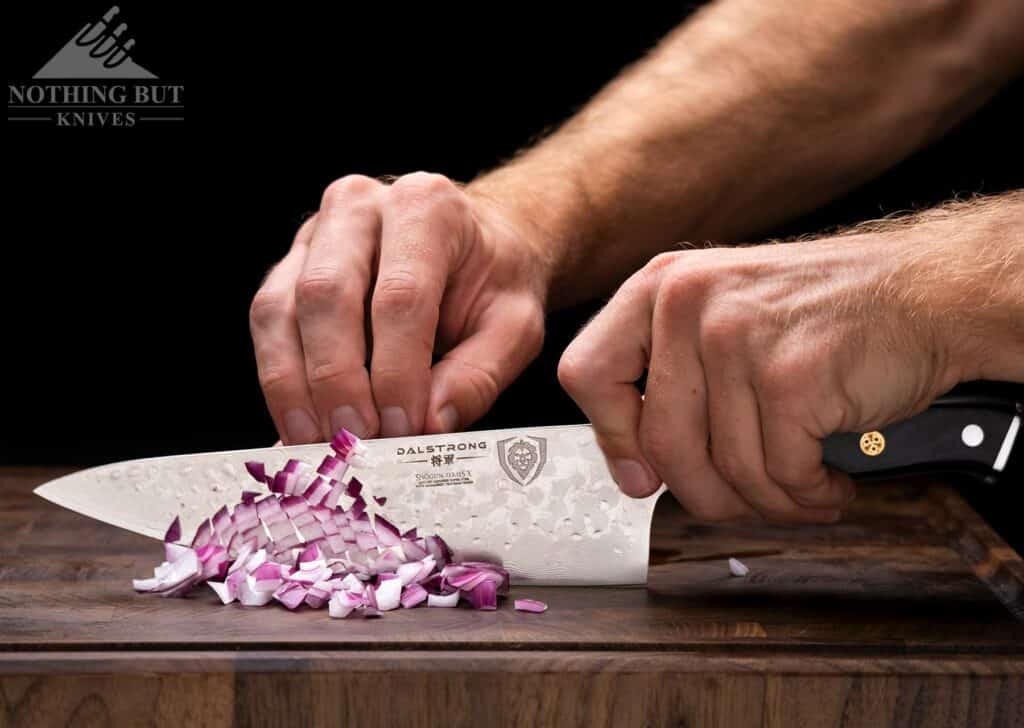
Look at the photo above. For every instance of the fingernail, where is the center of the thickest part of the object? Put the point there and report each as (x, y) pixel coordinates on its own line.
(632, 477)
(346, 417)
(300, 427)
(394, 422)
(448, 418)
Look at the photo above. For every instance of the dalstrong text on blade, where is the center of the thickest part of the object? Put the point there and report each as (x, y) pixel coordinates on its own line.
(441, 448)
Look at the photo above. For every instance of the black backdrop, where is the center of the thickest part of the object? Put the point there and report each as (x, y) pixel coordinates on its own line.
(130, 255)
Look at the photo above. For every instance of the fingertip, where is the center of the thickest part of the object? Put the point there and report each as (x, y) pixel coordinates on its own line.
(349, 418)
(300, 428)
(448, 418)
(634, 478)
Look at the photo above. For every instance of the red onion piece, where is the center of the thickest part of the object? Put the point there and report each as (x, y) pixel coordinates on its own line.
(291, 594)
(204, 534)
(386, 531)
(388, 593)
(170, 577)
(738, 568)
(258, 471)
(173, 531)
(226, 593)
(443, 600)
(530, 605)
(412, 595)
(250, 598)
(173, 550)
(342, 603)
(483, 596)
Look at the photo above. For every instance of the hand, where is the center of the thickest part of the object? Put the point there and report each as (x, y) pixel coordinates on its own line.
(393, 273)
(753, 355)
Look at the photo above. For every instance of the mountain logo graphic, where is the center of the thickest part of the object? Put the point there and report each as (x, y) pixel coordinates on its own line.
(99, 50)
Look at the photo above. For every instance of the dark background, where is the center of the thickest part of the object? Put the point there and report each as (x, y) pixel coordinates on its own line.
(130, 255)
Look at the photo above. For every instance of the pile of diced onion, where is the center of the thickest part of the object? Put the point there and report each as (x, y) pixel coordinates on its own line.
(297, 545)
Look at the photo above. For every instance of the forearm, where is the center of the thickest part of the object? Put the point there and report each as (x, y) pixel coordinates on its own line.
(967, 276)
(747, 115)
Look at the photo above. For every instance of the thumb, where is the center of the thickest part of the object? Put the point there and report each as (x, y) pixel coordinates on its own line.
(467, 381)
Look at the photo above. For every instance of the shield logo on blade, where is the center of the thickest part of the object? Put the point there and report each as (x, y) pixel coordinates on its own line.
(522, 458)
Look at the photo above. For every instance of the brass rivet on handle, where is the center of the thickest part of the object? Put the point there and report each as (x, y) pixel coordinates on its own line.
(872, 443)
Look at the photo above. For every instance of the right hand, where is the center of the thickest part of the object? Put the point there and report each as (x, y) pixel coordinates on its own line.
(395, 272)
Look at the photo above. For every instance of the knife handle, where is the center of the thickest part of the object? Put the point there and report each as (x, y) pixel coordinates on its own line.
(962, 434)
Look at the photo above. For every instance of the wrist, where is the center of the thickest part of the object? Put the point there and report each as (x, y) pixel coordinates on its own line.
(540, 217)
(961, 272)
(519, 247)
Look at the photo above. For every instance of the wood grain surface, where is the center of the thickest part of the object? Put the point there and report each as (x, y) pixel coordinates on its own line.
(907, 613)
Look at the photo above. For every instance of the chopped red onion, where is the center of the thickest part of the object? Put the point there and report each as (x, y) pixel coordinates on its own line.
(530, 605)
(299, 547)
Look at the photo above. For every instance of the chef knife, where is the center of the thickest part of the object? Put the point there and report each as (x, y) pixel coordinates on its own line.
(540, 499)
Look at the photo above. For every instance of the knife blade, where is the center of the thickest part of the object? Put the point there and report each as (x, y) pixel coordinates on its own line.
(540, 500)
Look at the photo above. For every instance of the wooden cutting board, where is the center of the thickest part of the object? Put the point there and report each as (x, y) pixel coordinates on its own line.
(910, 612)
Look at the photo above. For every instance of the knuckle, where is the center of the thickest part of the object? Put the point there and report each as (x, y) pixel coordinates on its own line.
(397, 293)
(661, 262)
(573, 372)
(532, 333)
(348, 190)
(658, 446)
(733, 468)
(423, 184)
(327, 372)
(266, 309)
(683, 288)
(274, 378)
(723, 330)
(429, 194)
(785, 376)
(317, 290)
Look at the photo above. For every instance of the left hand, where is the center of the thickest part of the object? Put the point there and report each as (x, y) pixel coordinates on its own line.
(753, 355)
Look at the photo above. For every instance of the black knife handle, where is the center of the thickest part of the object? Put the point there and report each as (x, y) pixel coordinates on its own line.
(961, 434)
